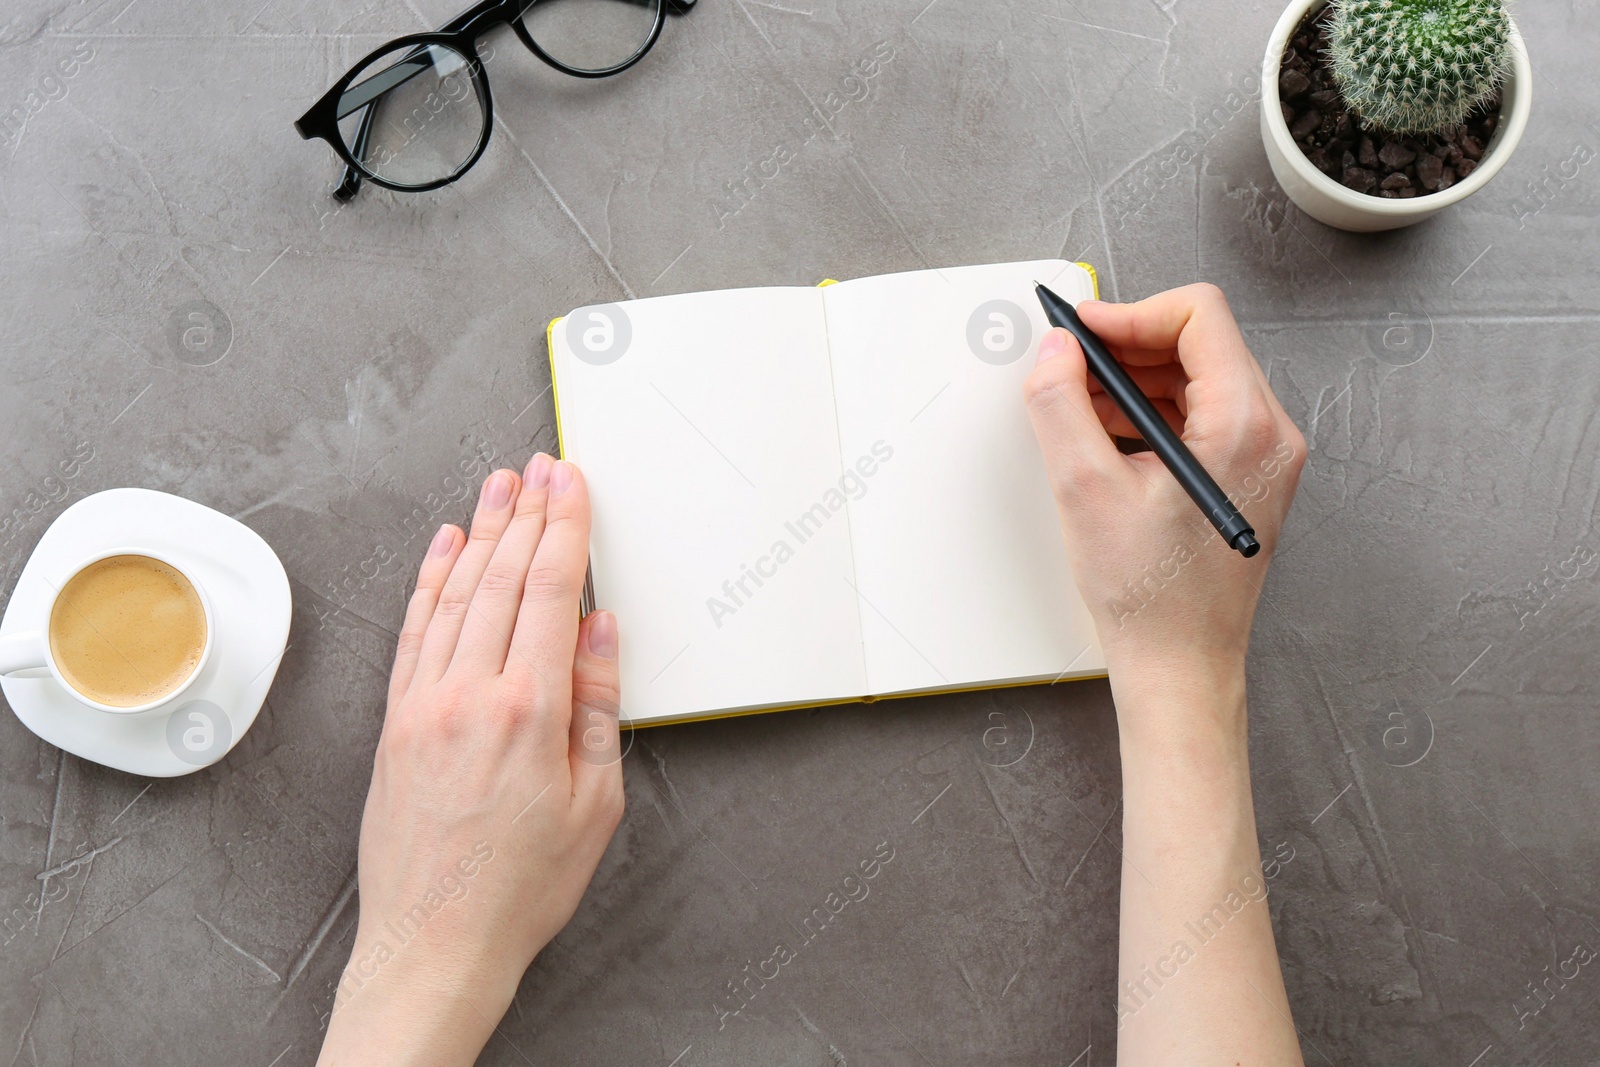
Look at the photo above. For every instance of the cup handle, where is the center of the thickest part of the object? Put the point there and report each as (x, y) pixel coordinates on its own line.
(22, 652)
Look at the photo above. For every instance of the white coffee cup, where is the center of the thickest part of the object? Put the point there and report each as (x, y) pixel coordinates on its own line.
(27, 652)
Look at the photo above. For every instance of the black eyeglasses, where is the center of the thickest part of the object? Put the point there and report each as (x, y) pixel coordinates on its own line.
(416, 114)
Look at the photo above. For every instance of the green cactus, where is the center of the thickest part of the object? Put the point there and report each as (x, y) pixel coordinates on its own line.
(1417, 66)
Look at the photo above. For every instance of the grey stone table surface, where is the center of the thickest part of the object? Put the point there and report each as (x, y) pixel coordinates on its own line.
(185, 308)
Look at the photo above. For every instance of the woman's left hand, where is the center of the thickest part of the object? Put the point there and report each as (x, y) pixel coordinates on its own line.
(497, 782)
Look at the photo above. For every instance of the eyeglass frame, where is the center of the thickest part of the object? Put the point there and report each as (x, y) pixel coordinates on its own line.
(460, 35)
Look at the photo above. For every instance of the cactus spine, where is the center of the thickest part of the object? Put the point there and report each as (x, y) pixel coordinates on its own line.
(1417, 66)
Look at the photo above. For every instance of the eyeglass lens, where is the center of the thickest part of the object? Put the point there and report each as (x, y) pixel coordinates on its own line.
(591, 35)
(413, 116)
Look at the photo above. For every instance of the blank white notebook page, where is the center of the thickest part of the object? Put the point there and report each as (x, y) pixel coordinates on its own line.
(708, 445)
(962, 576)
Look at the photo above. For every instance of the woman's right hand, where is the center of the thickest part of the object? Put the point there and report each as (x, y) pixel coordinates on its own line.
(1156, 575)
(1173, 605)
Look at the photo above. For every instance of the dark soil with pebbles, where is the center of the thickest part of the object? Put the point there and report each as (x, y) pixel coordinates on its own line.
(1368, 159)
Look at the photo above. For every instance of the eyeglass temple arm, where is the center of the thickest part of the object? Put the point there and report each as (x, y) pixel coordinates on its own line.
(350, 181)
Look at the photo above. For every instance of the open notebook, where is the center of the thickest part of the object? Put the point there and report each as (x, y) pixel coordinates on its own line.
(806, 495)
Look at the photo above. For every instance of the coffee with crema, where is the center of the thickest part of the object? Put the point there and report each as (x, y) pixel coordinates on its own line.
(127, 630)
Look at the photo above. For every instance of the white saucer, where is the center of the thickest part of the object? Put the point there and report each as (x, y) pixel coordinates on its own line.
(249, 594)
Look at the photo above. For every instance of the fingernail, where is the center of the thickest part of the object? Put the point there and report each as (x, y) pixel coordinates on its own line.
(497, 490)
(442, 542)
(602, 633)
(560, 476)
(538, 475)
(1052, 344)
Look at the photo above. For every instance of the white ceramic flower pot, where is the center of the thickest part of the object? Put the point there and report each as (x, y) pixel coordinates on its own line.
(1331, 202)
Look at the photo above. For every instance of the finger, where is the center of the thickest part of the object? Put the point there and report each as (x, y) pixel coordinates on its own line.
(486, 632)
(1229, 409)
(1143, 357)
(455, 599)
(544, 641)
(1116, 423)
(1272, 398)
(442, 553)
(1194, 319)
(594, 740)
(1077, 450)
(1166, 382)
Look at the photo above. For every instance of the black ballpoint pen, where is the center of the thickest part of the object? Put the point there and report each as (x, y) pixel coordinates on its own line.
(1166, 444)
